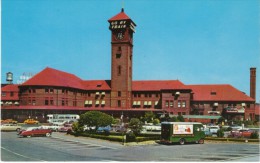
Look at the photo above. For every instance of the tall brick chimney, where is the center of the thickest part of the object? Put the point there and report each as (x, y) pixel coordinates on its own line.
(252, 82)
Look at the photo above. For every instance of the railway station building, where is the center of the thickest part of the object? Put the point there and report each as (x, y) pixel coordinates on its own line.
(53, 91)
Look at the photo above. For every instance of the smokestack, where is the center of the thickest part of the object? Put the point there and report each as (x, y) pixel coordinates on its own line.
(252, 82)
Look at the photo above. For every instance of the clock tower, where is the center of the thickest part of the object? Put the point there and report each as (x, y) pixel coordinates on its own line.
(122, 29)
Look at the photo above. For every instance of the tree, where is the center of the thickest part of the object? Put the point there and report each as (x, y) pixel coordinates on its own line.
(95, 118)
(149, 116)
(135, 125)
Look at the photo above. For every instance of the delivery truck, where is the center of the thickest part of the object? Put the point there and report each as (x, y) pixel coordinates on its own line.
(182, 132)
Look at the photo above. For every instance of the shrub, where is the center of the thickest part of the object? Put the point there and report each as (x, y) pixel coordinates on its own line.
(130, 137)
(156, 121)
(220, 133)
(254, 135)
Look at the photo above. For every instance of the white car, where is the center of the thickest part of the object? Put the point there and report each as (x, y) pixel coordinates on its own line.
(10, 127)
(53, 127)
(213, 129)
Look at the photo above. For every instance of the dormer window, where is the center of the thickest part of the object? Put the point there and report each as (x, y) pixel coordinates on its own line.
(213, 93)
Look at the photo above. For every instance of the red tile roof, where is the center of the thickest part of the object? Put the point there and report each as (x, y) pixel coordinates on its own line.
(8, 89)
(217, 93)
(157, 85)
(53, 77)
(120, 16)
(97, 84)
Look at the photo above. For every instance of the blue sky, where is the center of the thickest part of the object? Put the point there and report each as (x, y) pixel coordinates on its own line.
(195, 41)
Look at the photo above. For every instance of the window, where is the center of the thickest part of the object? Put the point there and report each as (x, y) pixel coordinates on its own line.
(119, 70)
(179, 104)
(3, 94)
(62, 102)
(33, 101)
(119, 93)
(156, 95)
(135, 95)
(118, 55)
(46, 101)
(46, 90)
(213, 93)
(183, 113)
(51, 101)
(29, 100)
(145, 95)
(166, 104)
(51, 90)
(34, 91)
(171, 104)
(74, 103)
(29, 90)
(183, 104)
(119, 103)
(150, 95)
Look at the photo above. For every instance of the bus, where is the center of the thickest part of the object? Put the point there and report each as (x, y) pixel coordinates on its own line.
(62, 118)
(182, 132)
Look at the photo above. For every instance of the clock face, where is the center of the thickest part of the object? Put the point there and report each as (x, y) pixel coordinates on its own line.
(119, 36)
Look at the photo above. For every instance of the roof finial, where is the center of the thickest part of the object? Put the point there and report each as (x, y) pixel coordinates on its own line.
(122, 10)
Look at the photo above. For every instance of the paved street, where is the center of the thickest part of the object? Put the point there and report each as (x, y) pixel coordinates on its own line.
(62, 147)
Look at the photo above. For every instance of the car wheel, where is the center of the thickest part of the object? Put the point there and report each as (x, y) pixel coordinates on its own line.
(48, 134)
(182, 141)
(201, 141)
(18, 130)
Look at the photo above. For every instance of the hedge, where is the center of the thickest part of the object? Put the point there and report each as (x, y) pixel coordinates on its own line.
(117, 137)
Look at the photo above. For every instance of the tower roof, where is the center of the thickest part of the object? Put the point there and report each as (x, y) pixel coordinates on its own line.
(120, 16)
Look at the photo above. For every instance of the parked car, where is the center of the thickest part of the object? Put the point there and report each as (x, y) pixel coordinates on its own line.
(10, 127)
(65, 128)
(31, 121)
(207, 132)
(104, 129)
(213, 129)
(241, 133)
(53, 127)
(8, 121)
(236, 127)
(35, 131)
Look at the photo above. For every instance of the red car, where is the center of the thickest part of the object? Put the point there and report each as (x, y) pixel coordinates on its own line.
(35, 131)
(241, 133)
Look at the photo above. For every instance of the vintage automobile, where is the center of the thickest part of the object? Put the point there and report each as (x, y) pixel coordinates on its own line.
(31, 121)
(8, 121)
(10, 127)
(65, 128)
(53, 127)
(241, 133)
(35, 131)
